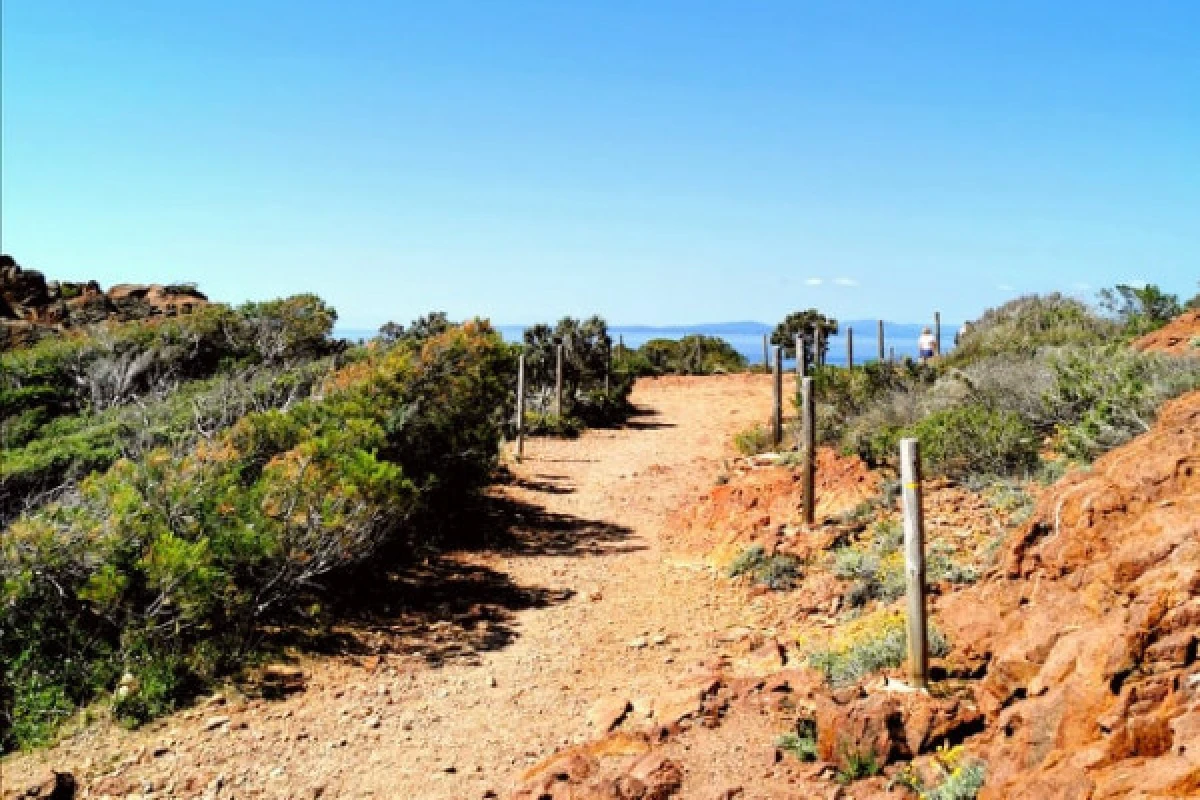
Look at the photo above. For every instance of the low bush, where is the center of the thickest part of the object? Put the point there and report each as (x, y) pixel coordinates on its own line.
(753, 441)
(876, 570)
(802, 742)
(867, 645)
(971, 439)
(777, 571)
(1102, 397)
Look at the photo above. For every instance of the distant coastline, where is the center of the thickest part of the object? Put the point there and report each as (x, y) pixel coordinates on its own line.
(746, 336)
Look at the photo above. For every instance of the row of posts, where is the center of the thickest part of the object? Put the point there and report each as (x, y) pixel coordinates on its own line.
(914, 528)
(819, 344)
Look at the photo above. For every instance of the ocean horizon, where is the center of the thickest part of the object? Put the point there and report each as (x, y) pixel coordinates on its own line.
(747, 337)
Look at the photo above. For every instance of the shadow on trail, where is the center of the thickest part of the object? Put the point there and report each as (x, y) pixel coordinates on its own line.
(443, 609)
(641, 419)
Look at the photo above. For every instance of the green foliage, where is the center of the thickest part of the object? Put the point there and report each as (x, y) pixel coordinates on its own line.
(538, 423)
(960, 778)
(1104, 396)
(1140, 309)
(753, 441)
(876, 571)
(804, 324)
(972, 439)
(691, 355)
(802, 742)
(163, 568)
(1026, 325)
(435, 323)
(867, 645)
(855, 765)
(593, 393)
(777, 571)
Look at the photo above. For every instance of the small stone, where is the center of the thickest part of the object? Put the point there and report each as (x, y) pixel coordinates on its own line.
(491, 681)
(212, 723)
(659, 638)
(638, 643)
(373, 721)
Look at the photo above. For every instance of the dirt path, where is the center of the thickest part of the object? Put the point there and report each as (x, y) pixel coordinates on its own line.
(488, 661)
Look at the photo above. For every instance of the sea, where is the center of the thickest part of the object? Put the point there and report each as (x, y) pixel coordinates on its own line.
(747, 337)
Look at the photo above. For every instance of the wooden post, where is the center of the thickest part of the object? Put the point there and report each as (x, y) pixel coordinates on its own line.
(914, 562)
(850, 348)
(800, 359)
(809, 432)
(892, 354)
(766, 357)
(621, 345)
(937, 333)
(521, 407)
(558, 381)
(819, 338)
(777, 397)
(881, 340)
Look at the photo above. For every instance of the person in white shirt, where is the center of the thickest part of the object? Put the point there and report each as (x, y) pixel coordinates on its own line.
(926, 345)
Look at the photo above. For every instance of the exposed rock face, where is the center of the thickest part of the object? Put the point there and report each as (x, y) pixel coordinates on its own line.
(32, 307)
(1176, 337)
(1092, 687)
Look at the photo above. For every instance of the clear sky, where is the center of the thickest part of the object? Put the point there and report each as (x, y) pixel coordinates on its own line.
(657, 162)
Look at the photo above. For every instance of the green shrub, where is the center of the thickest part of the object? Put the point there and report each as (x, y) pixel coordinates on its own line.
(971, 439)
(753, 441)
(962, 780)
(856, 765)
(802, 742)
(877, 571)
(691, 355)
(1029, 324)
(1102, 397)
(778, 571)
(867, 645)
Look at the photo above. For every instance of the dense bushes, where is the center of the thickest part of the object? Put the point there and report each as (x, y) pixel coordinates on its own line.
(1037, 373)
(72, 404)
(157, 573)
(692, 355)
(593, 392)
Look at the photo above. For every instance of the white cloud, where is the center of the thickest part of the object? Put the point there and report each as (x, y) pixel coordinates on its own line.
(1006, 287)
(814, 281)
(845, 281)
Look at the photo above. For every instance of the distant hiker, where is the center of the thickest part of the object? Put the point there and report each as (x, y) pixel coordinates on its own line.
(925, 345)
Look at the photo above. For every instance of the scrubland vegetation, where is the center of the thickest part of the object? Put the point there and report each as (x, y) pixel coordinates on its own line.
(691, 355)
(173, 487)
(1040, 378)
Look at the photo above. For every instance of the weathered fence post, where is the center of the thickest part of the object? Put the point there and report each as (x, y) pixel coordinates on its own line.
(819, 337)
(808, 426)
(766, 356)
(937, 333)
(914, 562)
(558, 380)
(801, 358)
(892, 354)
(850, 348)
(777, 397)
(521, 407)
(881, 341)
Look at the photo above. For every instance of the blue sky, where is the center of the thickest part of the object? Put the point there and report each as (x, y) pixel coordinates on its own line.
(657, 162)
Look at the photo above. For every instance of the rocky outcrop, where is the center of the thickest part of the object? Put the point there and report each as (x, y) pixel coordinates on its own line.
(32, 307)
(1088, 649)
(1181, 336)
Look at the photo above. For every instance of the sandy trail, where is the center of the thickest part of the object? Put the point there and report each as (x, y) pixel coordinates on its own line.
(489, 660)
